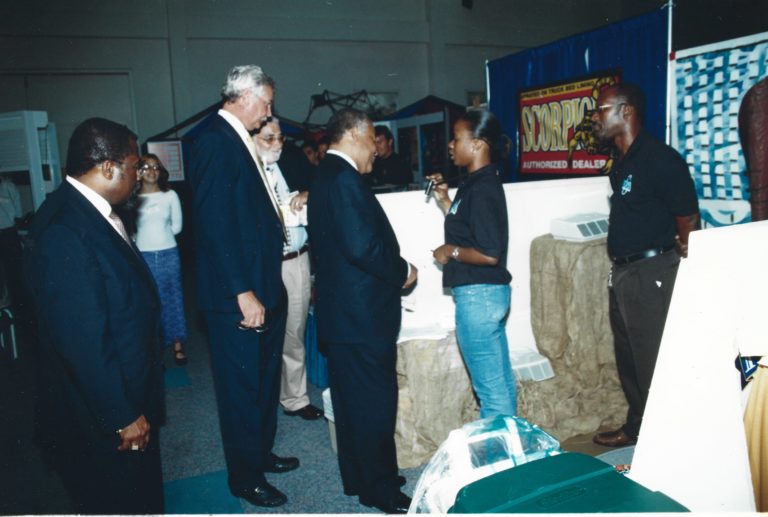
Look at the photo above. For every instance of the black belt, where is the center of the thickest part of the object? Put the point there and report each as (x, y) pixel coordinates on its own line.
(620, 261)
(294, 254)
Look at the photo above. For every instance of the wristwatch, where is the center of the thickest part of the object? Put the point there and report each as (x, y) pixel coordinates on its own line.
(455, 253)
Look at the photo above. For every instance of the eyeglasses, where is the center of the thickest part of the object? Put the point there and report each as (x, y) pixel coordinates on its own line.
(271, 139)
(145, 168)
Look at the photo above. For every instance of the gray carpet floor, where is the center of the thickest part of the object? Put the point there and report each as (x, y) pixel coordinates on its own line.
(191, 448)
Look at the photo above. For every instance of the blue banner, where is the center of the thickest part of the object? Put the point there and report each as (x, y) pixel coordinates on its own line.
(635, 48)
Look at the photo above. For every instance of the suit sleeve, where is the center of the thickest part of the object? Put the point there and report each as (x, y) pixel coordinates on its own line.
(216, 219)
(70, 285)
(364, 241)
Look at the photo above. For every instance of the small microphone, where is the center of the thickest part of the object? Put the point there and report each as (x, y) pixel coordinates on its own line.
(432, 183)
(430, 186)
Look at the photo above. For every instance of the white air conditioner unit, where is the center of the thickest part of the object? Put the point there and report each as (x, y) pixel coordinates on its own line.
(580, 227)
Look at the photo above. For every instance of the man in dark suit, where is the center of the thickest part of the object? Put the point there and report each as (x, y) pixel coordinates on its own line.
(359, 276)
(239, 255)
(97, 311)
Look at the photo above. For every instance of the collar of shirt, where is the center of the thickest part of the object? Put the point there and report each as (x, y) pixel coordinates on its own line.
(344, 156)
(101, 204)
(479, 173)
(237, 126)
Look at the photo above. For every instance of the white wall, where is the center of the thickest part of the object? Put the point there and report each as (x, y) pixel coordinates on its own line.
(692, 444)
(175, 53)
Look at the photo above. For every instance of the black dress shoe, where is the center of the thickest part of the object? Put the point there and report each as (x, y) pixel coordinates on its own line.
(399, 503)
(353, 491)
(278, 465)
(263, 495)
(617, 438)
(308, 412)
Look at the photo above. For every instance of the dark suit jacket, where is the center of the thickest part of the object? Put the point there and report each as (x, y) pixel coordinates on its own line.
(359, 271)
(97, 314)
(239, 236)
(295, 167)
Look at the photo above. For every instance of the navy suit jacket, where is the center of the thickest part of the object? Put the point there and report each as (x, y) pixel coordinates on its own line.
(98, 322)
(239, 235)
(359, 271)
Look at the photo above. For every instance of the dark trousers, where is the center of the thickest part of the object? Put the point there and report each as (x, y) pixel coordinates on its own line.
(364, 396)
(246, 373)
(638, 302)
(110, 482)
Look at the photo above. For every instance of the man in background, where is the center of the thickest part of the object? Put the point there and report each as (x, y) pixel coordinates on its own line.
(389, 167)
(295, 273)
(240, 239)
(309, 148)
(359, 276)
(653, 210)
(100, 390)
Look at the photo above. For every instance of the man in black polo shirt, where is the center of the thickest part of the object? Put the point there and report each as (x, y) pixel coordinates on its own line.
(653, 209)
(389, 168)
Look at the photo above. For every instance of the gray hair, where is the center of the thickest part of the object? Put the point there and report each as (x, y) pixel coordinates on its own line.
(345, 120)
(243, 78)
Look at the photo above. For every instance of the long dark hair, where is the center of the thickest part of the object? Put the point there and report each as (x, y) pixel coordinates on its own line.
(486, 127)
(162, 174)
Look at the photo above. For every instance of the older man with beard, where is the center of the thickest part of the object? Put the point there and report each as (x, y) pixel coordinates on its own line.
(295, 272)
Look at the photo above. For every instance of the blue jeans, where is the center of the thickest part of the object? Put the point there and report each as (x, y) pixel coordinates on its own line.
(481, 313)
(165, 266)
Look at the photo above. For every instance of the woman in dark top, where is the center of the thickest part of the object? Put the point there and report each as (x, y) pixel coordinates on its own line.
(474, 257)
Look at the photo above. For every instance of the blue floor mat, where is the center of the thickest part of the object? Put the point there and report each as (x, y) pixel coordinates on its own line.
(176, 377)
(207, 494)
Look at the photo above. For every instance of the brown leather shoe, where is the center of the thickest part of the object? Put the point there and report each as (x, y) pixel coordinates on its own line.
(617, 438)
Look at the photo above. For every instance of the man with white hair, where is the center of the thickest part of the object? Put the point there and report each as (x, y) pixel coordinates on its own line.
(295, 271)
(240, 236)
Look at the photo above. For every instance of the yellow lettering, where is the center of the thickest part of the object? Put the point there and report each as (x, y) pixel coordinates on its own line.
(556, 142)
(535, 141)
(544, 136)
(528, 126)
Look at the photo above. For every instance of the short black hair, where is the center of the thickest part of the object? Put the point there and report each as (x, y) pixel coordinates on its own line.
(95, 141)
(309, 143)
(633, 96)
(384, 130)
(344, 120)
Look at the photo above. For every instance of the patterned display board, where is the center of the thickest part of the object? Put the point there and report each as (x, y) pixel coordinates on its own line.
(710, 83)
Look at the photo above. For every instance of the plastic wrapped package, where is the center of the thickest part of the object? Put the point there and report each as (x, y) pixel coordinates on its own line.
(476, 450)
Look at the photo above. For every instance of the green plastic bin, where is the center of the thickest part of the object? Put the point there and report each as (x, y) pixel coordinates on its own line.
(566, 483)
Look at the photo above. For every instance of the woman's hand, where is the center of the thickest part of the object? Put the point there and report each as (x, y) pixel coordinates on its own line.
(443, 253)
(440, 191)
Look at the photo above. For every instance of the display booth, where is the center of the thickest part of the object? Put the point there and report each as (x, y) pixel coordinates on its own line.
(29, 150)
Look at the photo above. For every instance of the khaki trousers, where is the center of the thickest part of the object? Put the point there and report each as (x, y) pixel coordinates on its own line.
(293, 381)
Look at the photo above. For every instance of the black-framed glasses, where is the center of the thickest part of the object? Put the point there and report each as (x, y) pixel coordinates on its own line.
(271, 139)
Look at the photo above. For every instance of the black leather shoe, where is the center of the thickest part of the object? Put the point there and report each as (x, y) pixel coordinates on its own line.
(617, 438)
(399, 503)
(278, 465)
(308, 412)
(263, 495)
(353, 491)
